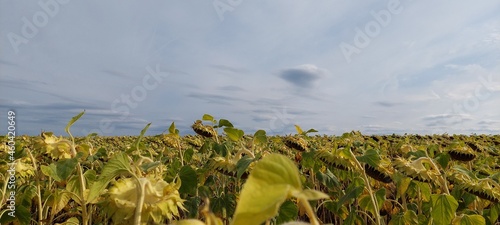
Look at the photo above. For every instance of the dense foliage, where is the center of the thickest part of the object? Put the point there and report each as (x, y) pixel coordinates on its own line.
(222, 176)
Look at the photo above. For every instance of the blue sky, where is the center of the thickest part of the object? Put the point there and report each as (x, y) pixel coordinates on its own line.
(380, 67)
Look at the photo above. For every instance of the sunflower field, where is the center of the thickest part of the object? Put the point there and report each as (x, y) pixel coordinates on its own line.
(223, 176)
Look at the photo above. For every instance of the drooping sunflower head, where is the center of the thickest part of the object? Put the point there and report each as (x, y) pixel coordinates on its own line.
(226, 167)
(161, 200)
(296, 143)
(193, 141)
(418, 169)
(461, 152)
(57, 147)
(335, 159)
(485, 188)
(171, 141)
(203, 130)
(382, 172)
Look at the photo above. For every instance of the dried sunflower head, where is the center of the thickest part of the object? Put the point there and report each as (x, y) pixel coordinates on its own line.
(382, 172)
(485, 188)
(194, 141)
(203, 130)
(336, 159)
(171, 141)
(297, 143)
(416, 169)
(57, 147)
(161, 200)
(226, 167)
(461, 152)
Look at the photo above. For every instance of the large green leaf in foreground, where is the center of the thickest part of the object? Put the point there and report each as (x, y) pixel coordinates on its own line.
(443, 208)
(274, 179)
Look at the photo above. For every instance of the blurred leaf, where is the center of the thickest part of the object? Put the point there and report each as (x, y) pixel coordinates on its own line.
(328, 179)
(146, 167)
(310, 195)
(371, 157)
(352, 193)
(188, 155)
(234, 133)
(21, 215)
(311, 131)
(224, 123)
(469, 220)
(366, 203)
(172, 129)
(50, 171)
(407, 218)
(443, 159)
(260, 137)
(189, 180)
(299, 130)
(271, 182)
(188, 222)
(59, 199)
(402, 183)
(65, 167)
(72, 121)
(443, 208)
(119, 164)
(287, 212)
(242, 165)
(208, 117)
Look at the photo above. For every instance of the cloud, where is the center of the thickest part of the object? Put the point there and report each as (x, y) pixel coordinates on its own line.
(229, 69)
(387, 103)
(447, 120)
(216, 98)
(303, 76)
(231, 88)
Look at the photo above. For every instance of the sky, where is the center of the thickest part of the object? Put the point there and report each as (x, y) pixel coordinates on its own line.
(380, 67)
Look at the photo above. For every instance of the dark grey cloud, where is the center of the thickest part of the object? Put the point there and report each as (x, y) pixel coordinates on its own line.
(302, 76)
(387, 103)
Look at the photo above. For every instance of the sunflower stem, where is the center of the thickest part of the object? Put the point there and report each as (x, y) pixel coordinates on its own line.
(368, 186)
(140, 199)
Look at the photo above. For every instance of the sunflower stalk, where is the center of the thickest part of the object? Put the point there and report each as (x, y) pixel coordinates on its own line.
(368, 186)
(81, 177)
(140, 200)
(309, 211)
(38, 188)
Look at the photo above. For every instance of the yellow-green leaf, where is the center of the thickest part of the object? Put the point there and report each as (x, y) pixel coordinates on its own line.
(119, 164)
(72, 121)
(311, 195)
(469, 220)
(443, 208)
(273, 180)
(299, 130)
(188, 222)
